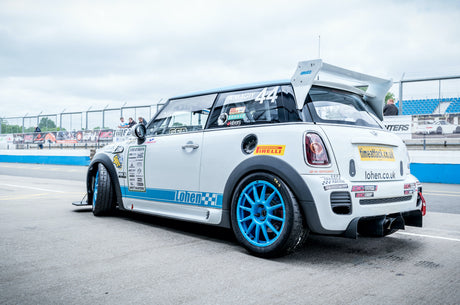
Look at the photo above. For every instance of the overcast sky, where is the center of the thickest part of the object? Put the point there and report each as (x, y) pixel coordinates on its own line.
(72, 55)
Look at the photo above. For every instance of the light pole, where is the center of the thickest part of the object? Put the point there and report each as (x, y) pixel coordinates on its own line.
(87, 116)
(60, 119)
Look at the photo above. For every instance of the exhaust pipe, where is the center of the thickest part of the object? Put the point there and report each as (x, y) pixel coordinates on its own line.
(381, 225)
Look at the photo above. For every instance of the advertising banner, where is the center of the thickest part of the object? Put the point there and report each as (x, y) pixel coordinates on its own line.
(399, 124)
(424, 126)
(64, 137)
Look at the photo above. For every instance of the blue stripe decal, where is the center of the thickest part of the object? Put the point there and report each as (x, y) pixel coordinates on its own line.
(203, 199)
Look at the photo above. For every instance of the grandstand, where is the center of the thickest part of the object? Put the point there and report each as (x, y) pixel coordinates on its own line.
(430, 106)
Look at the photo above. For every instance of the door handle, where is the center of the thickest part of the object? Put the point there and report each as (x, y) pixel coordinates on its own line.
(190, 145)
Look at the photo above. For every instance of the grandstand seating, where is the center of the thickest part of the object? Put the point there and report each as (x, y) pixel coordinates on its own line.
(428, 106)
(454, 107)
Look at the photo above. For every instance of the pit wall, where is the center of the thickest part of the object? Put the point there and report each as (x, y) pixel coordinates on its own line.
(435, 166)
(45, 156)
(428, 166)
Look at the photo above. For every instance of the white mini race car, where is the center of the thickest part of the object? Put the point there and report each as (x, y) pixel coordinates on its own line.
(272, 161)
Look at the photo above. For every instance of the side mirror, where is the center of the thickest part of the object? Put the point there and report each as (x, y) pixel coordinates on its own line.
(140, 131)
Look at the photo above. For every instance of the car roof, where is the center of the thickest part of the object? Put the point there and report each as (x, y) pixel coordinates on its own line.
(268, 83)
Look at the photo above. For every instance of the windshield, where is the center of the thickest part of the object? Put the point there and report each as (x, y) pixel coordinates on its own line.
(328, 105)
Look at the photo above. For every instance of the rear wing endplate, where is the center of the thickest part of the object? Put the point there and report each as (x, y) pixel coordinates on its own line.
(308, 70)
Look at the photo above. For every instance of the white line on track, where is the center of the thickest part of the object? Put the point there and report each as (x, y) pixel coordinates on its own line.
(429, 236)
(440, 194)
(31, 187)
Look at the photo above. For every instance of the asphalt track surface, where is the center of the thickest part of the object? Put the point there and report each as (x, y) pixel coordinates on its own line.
(54, 253)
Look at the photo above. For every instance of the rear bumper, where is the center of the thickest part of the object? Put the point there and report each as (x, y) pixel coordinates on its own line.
(381, 225)
(339, 209)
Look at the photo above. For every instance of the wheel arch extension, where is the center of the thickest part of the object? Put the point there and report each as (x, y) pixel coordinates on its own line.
(92, 168)
(287, 173)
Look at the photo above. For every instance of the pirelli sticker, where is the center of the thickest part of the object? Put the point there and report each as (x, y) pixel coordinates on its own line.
(376, 153)
(275, 150)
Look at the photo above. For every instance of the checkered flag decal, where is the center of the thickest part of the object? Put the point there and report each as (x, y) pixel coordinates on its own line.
(209, 199)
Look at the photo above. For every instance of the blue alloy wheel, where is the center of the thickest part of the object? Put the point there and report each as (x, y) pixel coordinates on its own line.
(261, 213)
(96, 181)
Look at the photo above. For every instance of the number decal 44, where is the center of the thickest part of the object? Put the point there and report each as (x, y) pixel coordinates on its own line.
(263, 96)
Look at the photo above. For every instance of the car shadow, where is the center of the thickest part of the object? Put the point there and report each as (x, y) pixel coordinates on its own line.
(209, 232)
(318, 249)
(329, 250)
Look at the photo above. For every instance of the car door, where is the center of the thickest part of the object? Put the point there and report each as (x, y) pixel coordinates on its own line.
(164, 171)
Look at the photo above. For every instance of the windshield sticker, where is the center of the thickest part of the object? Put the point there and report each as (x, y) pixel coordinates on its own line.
(177, 130)
(240, 98)
(136, 168)
(239, 116)
(234, 123)
(276, 150)
(222, 119)
(264, 95)
(237, 110)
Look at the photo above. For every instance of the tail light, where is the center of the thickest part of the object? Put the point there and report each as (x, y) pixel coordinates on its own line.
(315, 150)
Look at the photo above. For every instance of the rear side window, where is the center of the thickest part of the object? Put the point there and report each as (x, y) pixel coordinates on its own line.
(272, 104)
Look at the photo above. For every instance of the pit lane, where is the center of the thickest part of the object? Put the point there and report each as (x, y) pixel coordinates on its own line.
(53, 252)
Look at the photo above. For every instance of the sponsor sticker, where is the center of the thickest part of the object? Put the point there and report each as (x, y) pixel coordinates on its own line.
(150, 140)
(332, 179)
(234, 123)
(136, 164)
(376, 153)
(277, 150)
(177, 130)
(117, 162)
(239, 116)
(379, 175)
(333, 182)
(239, 98)
(237, 110)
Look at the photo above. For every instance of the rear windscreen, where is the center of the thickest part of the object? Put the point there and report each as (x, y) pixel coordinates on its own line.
(328, 105)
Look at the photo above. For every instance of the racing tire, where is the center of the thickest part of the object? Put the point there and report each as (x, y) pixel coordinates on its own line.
(102, 192)
(439, 130)
(265, 216)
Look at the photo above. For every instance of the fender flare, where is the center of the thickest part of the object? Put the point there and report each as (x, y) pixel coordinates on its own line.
(105, 160)
(288, 174)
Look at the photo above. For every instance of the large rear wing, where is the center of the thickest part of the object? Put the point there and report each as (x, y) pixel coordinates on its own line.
(308, 70)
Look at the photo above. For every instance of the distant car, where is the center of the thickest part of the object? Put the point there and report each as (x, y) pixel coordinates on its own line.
(272, 161)
(437, 127)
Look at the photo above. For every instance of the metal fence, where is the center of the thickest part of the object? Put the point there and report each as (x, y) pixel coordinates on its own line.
(107, 118)
(427, 87)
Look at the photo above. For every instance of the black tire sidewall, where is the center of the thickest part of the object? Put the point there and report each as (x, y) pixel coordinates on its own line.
(103, 202)
(279, 245)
